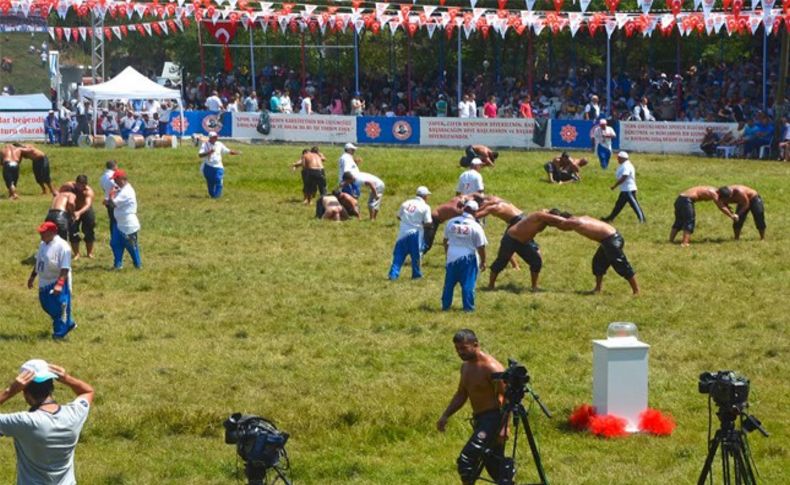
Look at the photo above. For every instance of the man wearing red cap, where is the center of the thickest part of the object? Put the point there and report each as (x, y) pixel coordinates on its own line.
(53, 268)
(123, 200)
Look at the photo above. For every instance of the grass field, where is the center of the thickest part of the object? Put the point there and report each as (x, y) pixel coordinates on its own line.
(249, 304)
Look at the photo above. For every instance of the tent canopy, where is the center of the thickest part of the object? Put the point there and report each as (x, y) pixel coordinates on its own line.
(129, 84)
(25, 102)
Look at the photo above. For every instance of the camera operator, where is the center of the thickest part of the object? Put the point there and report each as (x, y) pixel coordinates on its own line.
(486, 397)
(46, 435)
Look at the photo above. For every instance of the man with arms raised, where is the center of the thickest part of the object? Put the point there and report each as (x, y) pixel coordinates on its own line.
(610, 249)
(40, 167)
(520, 239)
(684, 211)
(487, 443)
(61, 212)
(313, 175)
(45, 436)
(747, 200)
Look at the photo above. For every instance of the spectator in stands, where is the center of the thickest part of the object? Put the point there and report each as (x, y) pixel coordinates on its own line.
(490, 108)
(275, 105)
(234, 105)
(213, 103)
(758, 132)
(307, 105)
(357, 105)
(150, 126)
(709, 142)
(525, 108)
(784, 145)
(286, 106)
(592, 111)
(441, 106)
(465, 107)
(109, 126)
(642, 111)
(251, 102)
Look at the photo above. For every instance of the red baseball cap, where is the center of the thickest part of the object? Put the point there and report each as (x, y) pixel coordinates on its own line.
(120, 173)
(47, 227)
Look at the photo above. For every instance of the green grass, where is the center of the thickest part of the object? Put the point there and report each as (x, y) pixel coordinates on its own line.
(249, 304)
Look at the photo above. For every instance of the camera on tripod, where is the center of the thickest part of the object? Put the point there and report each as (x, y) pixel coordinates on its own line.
(515, 376)
(727, 388)
(260, 444)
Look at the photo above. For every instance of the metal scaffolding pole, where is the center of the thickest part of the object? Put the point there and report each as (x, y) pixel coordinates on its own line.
(97, 48)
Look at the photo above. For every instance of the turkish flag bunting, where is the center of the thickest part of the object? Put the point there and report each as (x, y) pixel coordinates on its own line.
(224, 32)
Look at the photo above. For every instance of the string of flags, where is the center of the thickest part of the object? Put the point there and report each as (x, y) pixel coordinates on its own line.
(174, 16)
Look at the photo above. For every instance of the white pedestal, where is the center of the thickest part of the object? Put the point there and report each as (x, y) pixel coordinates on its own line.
(620, 378)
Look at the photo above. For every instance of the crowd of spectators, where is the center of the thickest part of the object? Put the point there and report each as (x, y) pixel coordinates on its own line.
(723, 92)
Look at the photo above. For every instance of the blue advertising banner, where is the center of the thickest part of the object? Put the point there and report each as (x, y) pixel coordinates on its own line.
(201, 122)
(383, 129)
(576, 134)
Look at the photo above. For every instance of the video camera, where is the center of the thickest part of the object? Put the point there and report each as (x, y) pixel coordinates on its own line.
(515, 376)
(258, 442)
(725, 387)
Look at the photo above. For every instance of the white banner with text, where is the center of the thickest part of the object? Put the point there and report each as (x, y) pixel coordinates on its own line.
(295, 127)
(495, 132)
(22, 125)
(667, 136)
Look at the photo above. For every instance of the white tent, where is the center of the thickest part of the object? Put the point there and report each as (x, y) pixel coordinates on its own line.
(129, 84)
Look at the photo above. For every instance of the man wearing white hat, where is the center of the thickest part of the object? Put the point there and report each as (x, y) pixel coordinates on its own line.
(211, 152)
(346, 163)
(414, 215)
(602, 136)
(464, 245)
(626, 180)
(45, 436)
(53, 268)
(471, 182)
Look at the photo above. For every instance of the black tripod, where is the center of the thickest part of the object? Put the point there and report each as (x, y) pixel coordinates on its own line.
(734, 446)
(514, 407)
(256, 475)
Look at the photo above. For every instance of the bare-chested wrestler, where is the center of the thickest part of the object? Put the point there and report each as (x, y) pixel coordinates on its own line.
(84, 217)
(61, 212)
(485, 154)
(564, 169)
(313, 175)
(685, 218)
(610, 251)
(441, 213)
(746, 200)
(329, 208)
(11, 158)
(40, 167)
(486, 395)
(519, 238)
(501, 209)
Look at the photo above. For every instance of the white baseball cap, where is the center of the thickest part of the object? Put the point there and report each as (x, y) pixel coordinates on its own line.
(40, 369)
(602, 122)
(476, 161)
(470, 204)
(212, 134)
(423, 191)
(622, 155)
(350, 146)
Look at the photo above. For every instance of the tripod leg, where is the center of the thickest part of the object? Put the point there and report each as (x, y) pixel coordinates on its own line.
(712, 446)
(725, 462)
(533, 446)
(743, 470)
